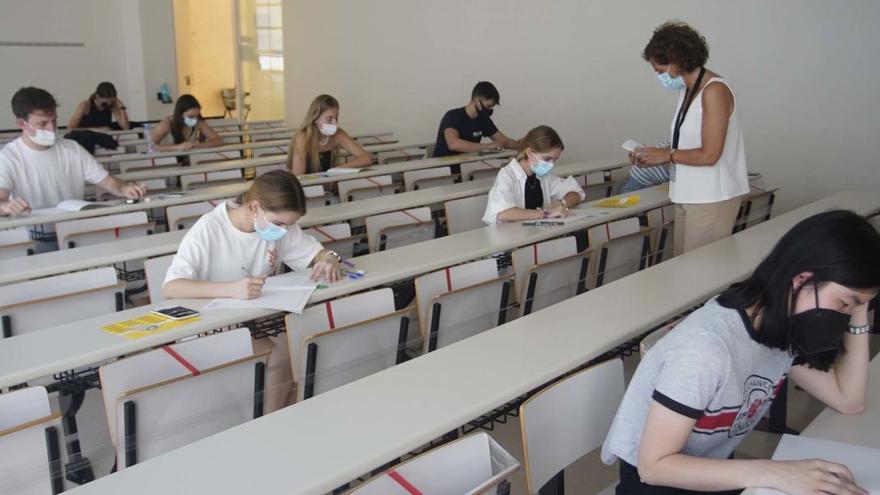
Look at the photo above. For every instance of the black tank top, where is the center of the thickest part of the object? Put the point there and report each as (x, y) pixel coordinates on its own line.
(96, 117)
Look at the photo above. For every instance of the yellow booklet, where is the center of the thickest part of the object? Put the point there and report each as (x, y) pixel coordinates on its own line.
(621, 202)
(144, 325)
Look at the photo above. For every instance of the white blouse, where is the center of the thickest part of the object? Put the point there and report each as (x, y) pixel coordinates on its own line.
(509, 190)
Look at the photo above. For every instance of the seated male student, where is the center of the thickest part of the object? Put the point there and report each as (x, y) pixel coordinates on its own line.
(39, 169)
(462, 129)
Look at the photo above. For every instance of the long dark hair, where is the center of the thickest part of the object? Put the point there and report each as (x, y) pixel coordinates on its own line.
(836, 246)
(184, 103)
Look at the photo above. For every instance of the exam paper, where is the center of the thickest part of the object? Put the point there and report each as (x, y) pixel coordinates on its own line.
(861, 461)
(288, 293)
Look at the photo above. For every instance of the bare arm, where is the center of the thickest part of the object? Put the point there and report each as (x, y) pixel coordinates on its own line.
(359, 156)
(845, 386)
(162, 129)
(456, 143)
(11, 207)
(717, 108)
(120, 114)
(296, 158)
(122, 189)
(212, 139)
(77, 116)
(520, 214)
(661, 462)
(502, 141)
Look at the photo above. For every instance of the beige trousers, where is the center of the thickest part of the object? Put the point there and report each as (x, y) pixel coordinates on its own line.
(699, 224)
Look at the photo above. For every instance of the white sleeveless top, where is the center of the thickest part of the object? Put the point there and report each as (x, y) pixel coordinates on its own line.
(728, 178)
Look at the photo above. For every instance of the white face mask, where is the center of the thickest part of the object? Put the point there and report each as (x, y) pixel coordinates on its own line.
(190, 121)
(328, 129)
(42, 137)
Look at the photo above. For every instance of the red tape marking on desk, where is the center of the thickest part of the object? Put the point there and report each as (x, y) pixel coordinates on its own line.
(330, 315)
(403, 482)
(535, 253)
(417, 219)
(448, 280)
(328, 236)
(374, 182)
(116, 232)
(186, 364)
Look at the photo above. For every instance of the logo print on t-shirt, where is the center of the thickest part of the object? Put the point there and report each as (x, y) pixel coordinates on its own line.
(758, 392)
(478, 133)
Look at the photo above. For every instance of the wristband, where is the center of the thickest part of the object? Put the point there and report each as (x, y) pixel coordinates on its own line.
(860, 330)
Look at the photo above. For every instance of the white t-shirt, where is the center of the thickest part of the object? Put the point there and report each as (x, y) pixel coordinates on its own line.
(728, 178)
(214, 250)
(509, 190)
(46, 178)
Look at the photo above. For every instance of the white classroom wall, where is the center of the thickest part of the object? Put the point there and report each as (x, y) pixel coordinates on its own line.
(802, 70)
(127, 42)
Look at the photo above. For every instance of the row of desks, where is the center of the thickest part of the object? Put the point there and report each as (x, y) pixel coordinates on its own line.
(319, 444)
(67, 260)
(229, 190)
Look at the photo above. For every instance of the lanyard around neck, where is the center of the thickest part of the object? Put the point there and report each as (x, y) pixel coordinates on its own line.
(685, 105)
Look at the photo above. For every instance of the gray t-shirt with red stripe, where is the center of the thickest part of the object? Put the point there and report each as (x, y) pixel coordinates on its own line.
(708, 368)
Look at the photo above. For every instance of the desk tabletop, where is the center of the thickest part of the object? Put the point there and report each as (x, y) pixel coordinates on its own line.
(315, 446)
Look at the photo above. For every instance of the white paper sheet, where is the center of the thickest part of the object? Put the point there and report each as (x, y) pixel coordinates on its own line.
(283, 293)
(863, 462)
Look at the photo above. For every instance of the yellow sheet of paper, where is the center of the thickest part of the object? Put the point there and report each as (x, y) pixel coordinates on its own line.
(148, 324)
(623, 202)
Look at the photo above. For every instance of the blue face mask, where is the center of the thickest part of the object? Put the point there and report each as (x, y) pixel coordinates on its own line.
(271, 232)
(542, 168)
(669, 82)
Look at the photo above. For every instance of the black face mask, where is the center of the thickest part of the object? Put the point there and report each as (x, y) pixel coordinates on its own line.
(483, 112)
(105, 106)
(817, 330)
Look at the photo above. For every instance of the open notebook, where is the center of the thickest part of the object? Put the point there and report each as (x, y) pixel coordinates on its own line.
(66, 206)
(863, 462)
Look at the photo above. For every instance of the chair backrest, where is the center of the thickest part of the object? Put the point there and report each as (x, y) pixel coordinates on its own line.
(662, 220)
(550, 272)
(369, 187)
(454, 278)
(470, 465)
(88, 231)
(317, 197)
(15, 242)
(155, 270)
(481, 169)
(265, 169)
(421, 179)
(465, 214)
(569, 419)
(526, 257)
(271, 150)
(329, 315)
(336, 237)
(468, 311)
(623, 256)
(182, 217)
(344, 354)
(157, 366)
(29, 446)
(399, 228)
(158, 418)
(600, 234)
(194, 180)
(759, 207)
(37, 304)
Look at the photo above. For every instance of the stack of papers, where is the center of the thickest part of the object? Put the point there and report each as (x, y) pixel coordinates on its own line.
(288, 292)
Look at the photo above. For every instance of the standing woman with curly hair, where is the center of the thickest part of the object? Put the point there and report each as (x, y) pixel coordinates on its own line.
(707, 155)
